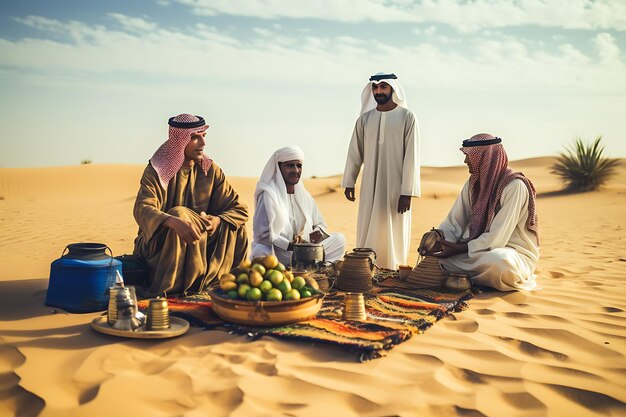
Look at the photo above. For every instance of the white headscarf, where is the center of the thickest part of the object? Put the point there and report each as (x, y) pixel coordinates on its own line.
(276, 199)
(367, 98)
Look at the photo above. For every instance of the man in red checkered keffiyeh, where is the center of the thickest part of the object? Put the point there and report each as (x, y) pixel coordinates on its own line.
(491, 232)
(191, 222)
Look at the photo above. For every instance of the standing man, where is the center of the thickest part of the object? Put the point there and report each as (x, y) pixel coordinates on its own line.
(191, 223)
(285, 212)
(386, 142)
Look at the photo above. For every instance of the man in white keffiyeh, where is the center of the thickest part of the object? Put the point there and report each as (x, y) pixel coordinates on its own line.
(191, 222)
(385, 142)
(285, 212)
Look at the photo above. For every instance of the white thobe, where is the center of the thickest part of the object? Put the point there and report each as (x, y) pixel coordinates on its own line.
(505, 256)
(387, 145)
(334, 244)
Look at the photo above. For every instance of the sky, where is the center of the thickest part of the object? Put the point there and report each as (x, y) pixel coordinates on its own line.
(97, 79)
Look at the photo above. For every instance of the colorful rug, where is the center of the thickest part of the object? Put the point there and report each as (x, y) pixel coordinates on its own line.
(394, 314)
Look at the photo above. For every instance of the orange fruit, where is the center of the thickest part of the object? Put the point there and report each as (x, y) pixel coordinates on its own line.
(227, 285)
(255, 278)
(270, 261)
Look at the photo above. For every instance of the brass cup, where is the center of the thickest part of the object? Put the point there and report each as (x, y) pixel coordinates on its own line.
(158, 315)
(354, 307)
(112, 308)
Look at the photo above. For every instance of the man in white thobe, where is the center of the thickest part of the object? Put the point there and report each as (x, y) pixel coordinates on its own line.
(491, 232)
(285, 213)
(385, 142)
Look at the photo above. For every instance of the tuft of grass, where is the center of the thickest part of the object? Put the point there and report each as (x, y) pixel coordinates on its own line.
(583, 168)
(85, 162)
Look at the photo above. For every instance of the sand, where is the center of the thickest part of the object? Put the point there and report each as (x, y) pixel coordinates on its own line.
(559, 351)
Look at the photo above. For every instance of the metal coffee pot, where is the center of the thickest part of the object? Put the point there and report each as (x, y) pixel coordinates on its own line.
(126, 319)
(307, 255)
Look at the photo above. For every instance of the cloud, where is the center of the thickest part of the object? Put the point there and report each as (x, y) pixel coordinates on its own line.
(203, 52)
(133, 23)
(464, 15)
(607, 48)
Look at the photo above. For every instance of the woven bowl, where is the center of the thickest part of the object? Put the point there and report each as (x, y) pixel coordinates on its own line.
(264, 313)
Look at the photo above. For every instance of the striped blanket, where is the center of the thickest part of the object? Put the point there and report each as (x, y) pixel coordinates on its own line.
(394, 314)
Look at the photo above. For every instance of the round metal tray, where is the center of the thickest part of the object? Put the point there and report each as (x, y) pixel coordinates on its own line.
(178, 326)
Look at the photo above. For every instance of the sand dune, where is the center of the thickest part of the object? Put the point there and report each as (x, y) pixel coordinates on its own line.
(558, 351)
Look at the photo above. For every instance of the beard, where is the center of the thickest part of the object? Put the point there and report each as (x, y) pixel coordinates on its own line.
(381, 98)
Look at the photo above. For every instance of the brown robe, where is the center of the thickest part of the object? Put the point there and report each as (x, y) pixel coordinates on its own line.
(174, 266)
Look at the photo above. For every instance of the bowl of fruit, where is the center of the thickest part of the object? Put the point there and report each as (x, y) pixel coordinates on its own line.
(262, 292)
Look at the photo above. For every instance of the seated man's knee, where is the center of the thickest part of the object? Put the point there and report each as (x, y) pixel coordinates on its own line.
(341, 240)
(260, 250)
(503, 264)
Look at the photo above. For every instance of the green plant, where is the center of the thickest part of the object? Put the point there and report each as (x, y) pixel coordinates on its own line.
(583, 168)
(85, 162)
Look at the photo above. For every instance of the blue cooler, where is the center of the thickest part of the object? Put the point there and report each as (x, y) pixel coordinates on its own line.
(80, 279)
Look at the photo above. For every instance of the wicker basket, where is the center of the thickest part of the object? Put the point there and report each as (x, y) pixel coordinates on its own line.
(265, 313)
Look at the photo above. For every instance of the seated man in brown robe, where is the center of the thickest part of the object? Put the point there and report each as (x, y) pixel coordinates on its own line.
(191, 222)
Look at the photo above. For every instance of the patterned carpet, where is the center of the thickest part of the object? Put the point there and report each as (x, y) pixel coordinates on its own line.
(394, 314)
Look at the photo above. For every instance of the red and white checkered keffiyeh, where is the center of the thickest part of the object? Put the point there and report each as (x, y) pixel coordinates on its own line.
(170, 156)
(490, 173)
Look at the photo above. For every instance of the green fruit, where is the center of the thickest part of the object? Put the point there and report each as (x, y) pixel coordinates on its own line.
(305, 293)
(255, 278)
(265, 286)
(254, 294)
(276, 277)
(274, 295)
(243, 290)
(280, 267)
(267, 273)
(232, 294)
(292, 295)
(284, 286)
(259, 268)
(243, 278)
(298, 283)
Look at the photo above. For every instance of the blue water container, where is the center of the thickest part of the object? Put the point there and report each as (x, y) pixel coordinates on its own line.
(80, 279)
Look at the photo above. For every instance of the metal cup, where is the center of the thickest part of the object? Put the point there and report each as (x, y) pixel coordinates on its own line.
(354, 307)
(112, 309)
(158, 315)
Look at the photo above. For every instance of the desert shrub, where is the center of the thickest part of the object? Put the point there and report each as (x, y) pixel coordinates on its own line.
(85, 162)
(583, 168)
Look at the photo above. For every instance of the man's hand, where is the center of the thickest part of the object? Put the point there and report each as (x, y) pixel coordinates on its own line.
(296, 239)
(349, 193)
(315, 236)
(450, 249)
(185, 229)
(211, 223)
(404, 203)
